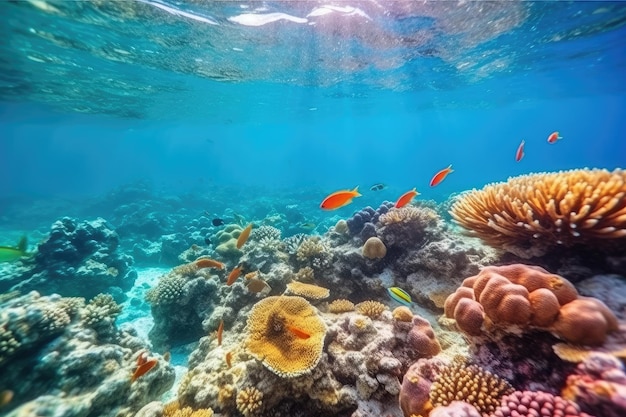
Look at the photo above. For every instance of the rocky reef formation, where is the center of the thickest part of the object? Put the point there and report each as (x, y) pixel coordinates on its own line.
(77, 259)
(65, 356)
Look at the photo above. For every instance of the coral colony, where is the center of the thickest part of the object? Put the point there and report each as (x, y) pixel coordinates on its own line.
(516, 308)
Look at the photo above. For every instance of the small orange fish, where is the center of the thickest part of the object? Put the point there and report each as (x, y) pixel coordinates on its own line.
(440, 176)
(339, 199)
(167, 356)
(142, 358)
(520, 152)
(143, 368)
(208, 263)
(243, 237)
(220, 331)
(232, 277)
(229, 358)
(554, 136)
(298, 332)
(406, 198)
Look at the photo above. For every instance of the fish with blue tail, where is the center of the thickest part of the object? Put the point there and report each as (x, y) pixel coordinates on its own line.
(13, 253)
(400, 296)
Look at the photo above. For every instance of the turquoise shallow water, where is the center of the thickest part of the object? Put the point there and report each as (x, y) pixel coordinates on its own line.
(140, 138)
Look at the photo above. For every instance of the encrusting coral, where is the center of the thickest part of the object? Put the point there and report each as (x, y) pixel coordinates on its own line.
(341, 306)
(286, 334)
(529, 214)
(462, 382)
(528, 296)
(309, 291)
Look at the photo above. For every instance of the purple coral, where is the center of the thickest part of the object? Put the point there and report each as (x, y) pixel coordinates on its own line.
(367, 215)
(537, 404)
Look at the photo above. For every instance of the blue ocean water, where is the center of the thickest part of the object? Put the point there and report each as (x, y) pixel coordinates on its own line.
(159, 116)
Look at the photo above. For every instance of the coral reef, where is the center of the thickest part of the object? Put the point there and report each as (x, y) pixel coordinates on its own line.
(507, 297)
(78, 259)
(73, 349)
(183, 307)
(530, 214)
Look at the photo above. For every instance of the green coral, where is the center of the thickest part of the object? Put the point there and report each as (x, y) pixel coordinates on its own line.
(227, 241)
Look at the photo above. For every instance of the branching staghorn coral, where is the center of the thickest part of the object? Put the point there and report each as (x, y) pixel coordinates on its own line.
(529, 214)
(371, 308)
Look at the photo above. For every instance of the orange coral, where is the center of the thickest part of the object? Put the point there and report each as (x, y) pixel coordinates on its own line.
(529, 296)
(531, 213)
(310, 291)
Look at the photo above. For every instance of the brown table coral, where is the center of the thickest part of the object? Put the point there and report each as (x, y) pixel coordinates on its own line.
(286, 334)
(531, 213)
(528, 296)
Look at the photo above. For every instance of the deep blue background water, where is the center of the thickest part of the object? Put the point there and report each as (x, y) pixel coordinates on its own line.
(268, 135)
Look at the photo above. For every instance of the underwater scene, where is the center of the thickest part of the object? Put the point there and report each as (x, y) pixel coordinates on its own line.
(312, 208)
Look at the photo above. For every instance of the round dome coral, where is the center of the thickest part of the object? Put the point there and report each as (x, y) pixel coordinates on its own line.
(374, 248)
(286, 334)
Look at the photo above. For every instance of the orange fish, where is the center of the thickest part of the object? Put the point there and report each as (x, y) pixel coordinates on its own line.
(298, 332)
(520, 152)
(406, 198)
(243, 237)
(208, 263)
(143, 368)
(554, 136)
(440, 176)
(220, 331)
(234, 274)
(229, 358)
(339, 199)
(142, 358)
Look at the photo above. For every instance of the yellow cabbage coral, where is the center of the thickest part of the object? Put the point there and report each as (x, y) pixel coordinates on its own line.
(470, 383)
(310, 291)
(370, 308)
(531, 213)
(249, 401)
(286, 334)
